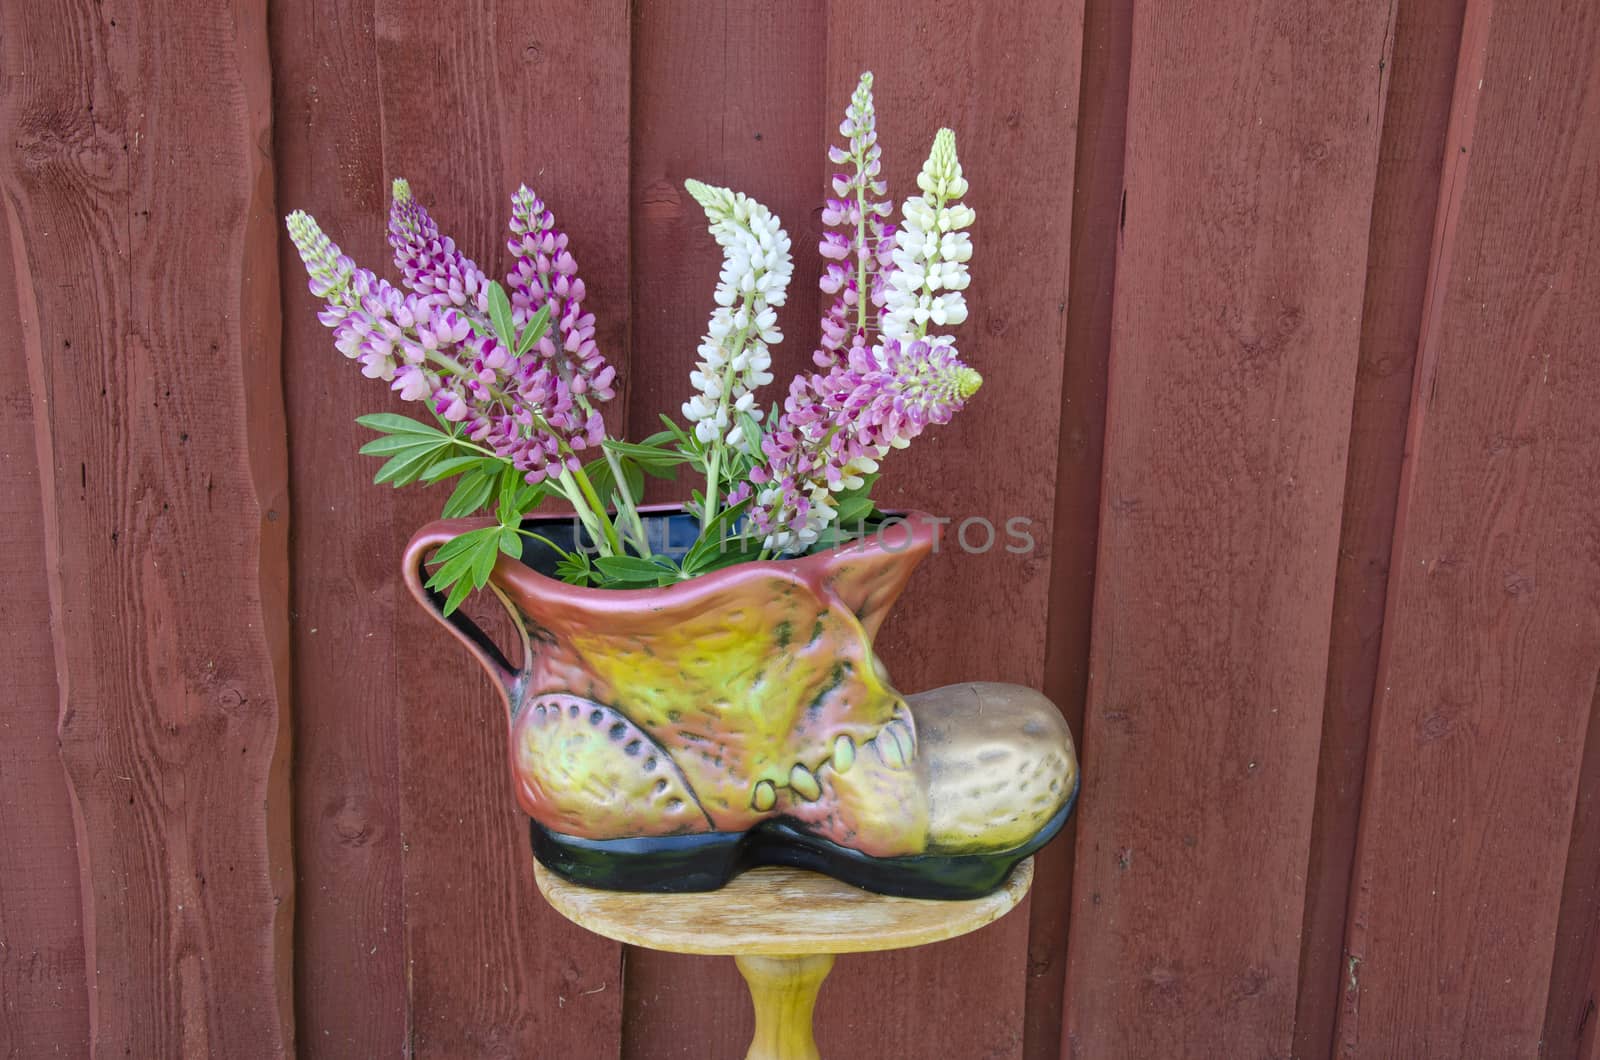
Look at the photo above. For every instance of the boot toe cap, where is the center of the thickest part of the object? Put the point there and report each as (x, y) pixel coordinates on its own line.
(998, 761)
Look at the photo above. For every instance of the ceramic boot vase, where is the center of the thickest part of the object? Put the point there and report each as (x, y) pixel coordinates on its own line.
(665, 739)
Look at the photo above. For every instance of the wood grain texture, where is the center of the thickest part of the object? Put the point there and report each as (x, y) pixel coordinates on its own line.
(1492, 638)
(777, 912)
(141, 219)
(1096, 213)
(1005, 77)
(474, 101)
(1419, 68)
(732, 94)
(350, 984)
(1234, 338)
(44, 1003)
(1573, 1010)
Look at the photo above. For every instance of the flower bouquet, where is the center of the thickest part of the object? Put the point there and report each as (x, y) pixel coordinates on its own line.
(697, 690)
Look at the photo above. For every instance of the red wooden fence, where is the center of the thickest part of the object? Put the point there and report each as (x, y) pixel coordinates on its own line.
(1286, 315)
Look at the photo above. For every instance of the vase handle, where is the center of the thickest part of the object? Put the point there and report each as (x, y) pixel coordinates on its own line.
(484, 649)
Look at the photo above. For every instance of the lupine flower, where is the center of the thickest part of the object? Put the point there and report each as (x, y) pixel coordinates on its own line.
(734, 355)
(860, 240)
(931, 250)
(545, 274)
(837, 426)
(436, 345)
(429, 260)
(875, 396)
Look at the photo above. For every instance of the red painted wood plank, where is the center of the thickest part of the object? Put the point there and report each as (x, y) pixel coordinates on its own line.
(1573, 1010)
(44, 1004)
(1420, 71)
(350, 962)
(471, 105)
(142, 215)
(1096, 213)
(732, 94)
(1492, 636)
(1006, 77)
(1252, 146)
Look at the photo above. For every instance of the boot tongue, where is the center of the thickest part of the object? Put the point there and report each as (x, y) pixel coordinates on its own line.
(868, 576)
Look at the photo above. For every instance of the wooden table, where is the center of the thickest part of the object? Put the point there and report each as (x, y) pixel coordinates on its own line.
(783, 928)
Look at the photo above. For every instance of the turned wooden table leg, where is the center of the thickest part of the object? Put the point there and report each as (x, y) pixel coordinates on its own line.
(784, 990)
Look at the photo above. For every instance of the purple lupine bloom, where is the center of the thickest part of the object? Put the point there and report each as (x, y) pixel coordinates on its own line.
(836, 426)
(546, 274)
(429, 260)
(859, 243)
(435, 343)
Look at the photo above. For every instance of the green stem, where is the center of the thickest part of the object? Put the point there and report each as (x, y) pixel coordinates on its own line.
(597, 508)
(627, 509)
(544, 540)
(569, 489)
(922, 328)
(861, 243)
(708, 511)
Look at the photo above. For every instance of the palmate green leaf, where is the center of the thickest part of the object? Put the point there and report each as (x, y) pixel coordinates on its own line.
(454, 465)
(397, 443)
(601, 478)
(405, 468)
(530, 497)
(511, 542)
(634, 477)
(535, 329)
(500, 315)
(853, 509)
(688, 444)
(574, 569)
(753, 434)
(393, 423)
(483, 557)
(510, 480)
(715, 539)
(460, 555)
(631, 570)
(458, 593)
(465, 563)
(471, 494)
(656, 461)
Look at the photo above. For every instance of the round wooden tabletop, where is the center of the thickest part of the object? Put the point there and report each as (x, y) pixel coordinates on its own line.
(777, 912)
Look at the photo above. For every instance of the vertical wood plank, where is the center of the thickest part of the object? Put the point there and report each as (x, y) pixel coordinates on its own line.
(44, 1004)
(1492, 635)
(732, 94)
(140, 210)
(1096, 212)
(1006, 78)
(350, 932)
(472, 103)
(1573, 1010)
(1252, 145)
(1420, 66)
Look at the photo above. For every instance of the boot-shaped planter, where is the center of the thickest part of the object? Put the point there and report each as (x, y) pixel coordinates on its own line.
(665, 739)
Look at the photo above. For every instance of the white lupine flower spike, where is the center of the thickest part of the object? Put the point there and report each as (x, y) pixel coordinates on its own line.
(931, 251)
(735, 355)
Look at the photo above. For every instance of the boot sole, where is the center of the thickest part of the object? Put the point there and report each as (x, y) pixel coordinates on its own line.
(707, 861)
